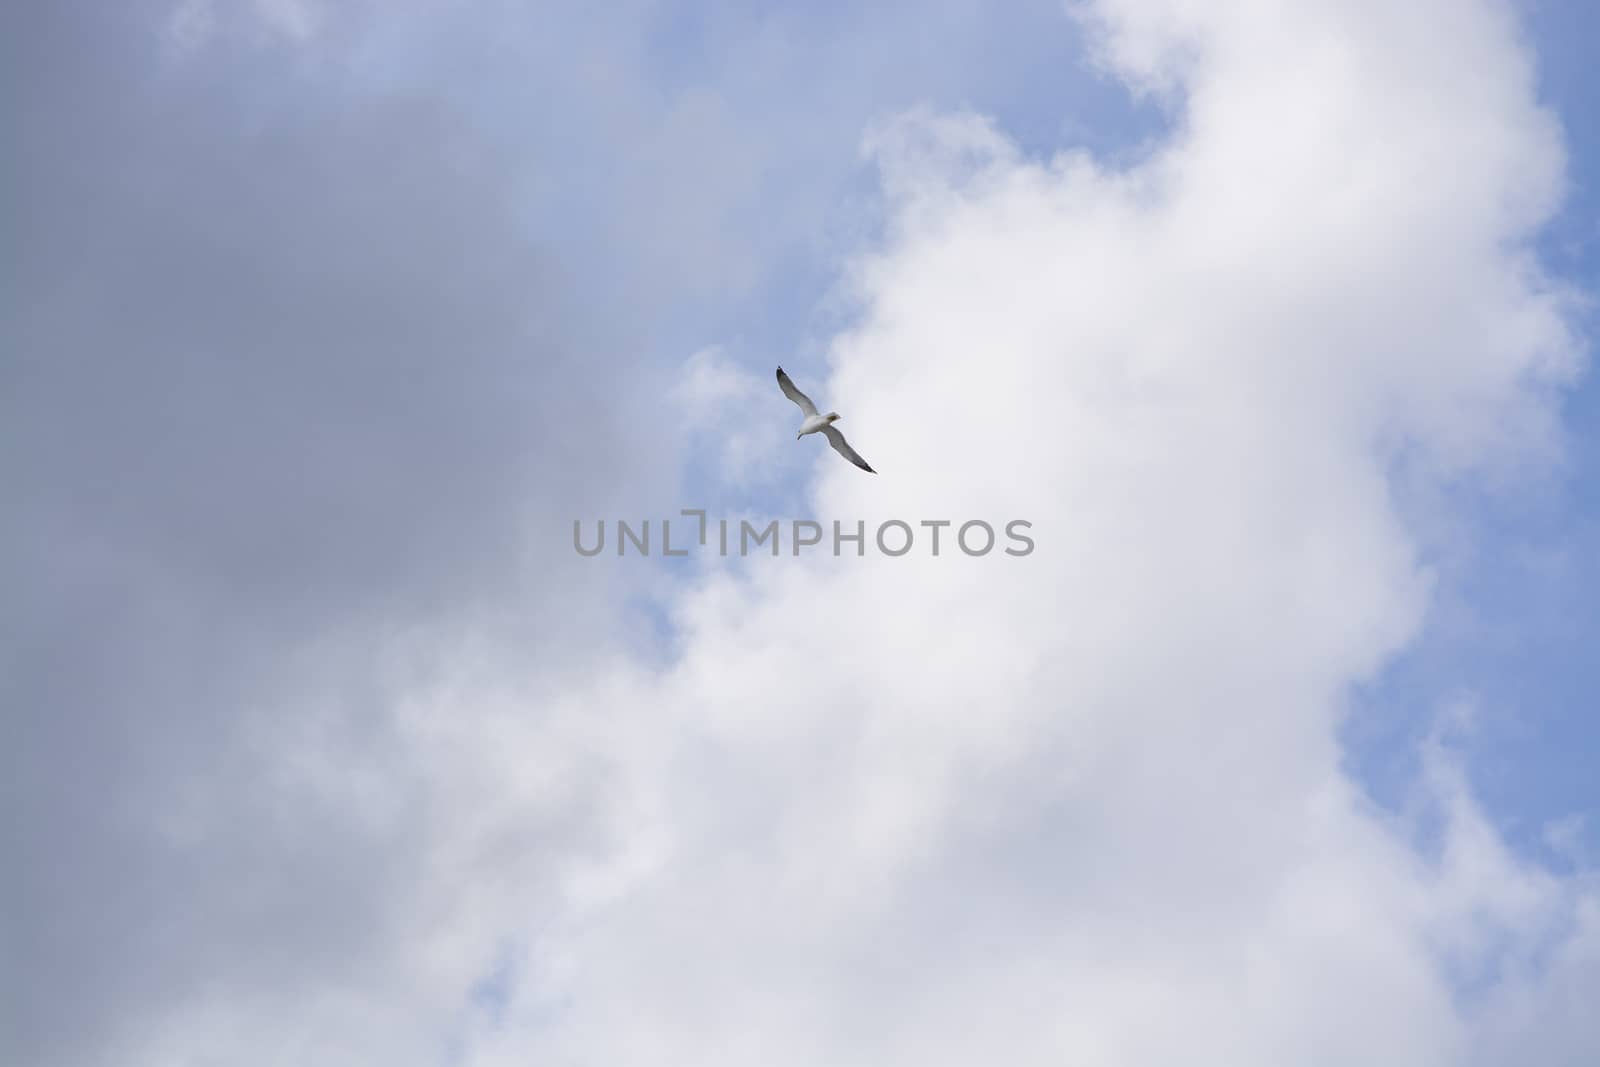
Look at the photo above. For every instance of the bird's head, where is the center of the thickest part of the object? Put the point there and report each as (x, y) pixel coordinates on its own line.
(833, 417)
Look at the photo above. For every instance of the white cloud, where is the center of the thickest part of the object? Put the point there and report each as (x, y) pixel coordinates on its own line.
(1087, 806)
(729, 411)
(295, 19)
(191, 24)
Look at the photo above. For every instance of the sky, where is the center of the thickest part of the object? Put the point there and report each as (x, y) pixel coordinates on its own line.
(322, 324)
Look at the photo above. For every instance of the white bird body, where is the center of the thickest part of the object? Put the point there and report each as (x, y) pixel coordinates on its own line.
(823, 424)
(813, 423)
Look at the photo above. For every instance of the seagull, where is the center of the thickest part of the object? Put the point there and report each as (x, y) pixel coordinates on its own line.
(814, 422)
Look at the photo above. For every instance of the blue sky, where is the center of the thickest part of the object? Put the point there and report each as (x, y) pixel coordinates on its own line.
(1517, 629)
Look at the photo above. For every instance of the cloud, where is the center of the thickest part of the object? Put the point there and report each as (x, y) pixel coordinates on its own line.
(730, 411)
(325, 758)
(192, 24)
(287, 398)
(310, 356)
(1088, 805)
(295, 19)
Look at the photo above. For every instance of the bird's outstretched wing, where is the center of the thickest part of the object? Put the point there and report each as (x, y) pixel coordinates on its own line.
(841, 446)
(794, 394)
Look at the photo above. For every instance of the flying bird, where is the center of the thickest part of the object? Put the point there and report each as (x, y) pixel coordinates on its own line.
(815, 423)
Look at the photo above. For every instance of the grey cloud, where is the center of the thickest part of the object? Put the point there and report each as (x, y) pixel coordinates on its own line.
(282, 372)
